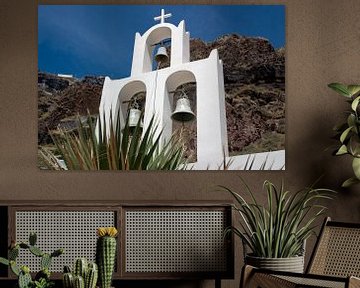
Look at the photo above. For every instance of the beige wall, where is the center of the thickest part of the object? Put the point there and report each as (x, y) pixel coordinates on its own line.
(322, 46)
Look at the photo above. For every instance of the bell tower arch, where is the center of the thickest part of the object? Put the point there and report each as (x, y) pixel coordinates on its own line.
(211, 140)
(144, 46)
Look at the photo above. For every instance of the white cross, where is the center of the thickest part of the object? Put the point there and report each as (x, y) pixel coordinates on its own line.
(163, 16)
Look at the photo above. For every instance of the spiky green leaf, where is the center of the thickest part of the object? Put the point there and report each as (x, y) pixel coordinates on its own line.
(121, 149)
(279, 228)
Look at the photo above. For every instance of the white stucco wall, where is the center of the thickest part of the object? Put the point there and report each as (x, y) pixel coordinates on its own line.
(274, 160)
(212, 140)
(211, 119)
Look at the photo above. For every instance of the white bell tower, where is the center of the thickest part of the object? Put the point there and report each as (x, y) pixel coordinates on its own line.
(157, 84)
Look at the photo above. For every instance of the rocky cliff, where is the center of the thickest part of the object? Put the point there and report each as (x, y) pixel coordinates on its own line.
(254, 75)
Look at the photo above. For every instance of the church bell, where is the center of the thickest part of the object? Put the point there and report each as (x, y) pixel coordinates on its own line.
(134, 117)
(183, 112)
(161, 55)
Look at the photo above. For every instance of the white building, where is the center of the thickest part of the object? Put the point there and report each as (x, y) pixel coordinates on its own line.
(157, 84)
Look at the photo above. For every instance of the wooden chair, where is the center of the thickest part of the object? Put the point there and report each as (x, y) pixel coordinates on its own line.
(334, 263)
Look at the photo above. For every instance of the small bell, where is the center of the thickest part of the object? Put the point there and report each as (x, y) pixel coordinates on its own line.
(161, 55)
(134, 117)
(183, 111)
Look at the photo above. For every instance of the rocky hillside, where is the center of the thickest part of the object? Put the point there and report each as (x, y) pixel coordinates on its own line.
(254, 75)
(62, 99)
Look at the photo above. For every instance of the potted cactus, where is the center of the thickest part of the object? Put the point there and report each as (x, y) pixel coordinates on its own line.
(42, 278)
(106, 254)
(84, 275)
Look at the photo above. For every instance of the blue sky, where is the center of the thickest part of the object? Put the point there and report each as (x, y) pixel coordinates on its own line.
(98, 40)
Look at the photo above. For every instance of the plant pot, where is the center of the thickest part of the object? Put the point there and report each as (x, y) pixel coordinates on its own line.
(291, 264)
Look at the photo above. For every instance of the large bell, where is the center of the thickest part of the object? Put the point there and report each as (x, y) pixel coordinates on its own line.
(134, 118)
(161, 55)
(183, 111)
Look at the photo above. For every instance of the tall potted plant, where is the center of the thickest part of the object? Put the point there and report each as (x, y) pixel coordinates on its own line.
(349, 131)
(275, 233)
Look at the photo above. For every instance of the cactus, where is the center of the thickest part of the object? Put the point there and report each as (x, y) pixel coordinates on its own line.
(24, 278)
(45, 261)
(67, 269)
(13, 253)
(57, 252)
(105, 254)
(32, 238)
(36, 251)
(79, 282)
(68, 280)
(44, 273)
(14, 268)
(25, 269)
(80, 268)
(24, 246)
(89, 272)
(91, 276)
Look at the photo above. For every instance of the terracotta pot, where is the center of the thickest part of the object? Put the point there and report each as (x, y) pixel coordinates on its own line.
(291, 264)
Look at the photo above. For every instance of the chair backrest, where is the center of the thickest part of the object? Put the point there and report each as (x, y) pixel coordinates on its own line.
(337, 251)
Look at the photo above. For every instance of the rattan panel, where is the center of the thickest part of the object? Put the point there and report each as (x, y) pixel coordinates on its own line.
(75, 231)
(175, 241)
(312, 282)
(338, 253)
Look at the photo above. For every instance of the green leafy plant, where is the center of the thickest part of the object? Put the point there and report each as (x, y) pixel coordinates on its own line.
(349, 131)
(42, 278)
(90, 148)
(279, 229)
(43, 283)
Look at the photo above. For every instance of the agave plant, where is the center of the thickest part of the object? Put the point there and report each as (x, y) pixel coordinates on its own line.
(279, 229)
(91, 148)
(349, 132)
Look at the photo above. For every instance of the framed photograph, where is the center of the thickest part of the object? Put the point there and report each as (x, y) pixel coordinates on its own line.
(172, 87)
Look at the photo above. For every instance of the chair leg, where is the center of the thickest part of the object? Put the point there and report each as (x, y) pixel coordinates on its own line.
(217, 283)
(354, 282)
(246, 274)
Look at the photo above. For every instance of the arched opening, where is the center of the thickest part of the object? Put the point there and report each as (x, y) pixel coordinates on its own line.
(131, 96)
(179, 86)
(158, 43)
(161, 54)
